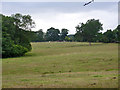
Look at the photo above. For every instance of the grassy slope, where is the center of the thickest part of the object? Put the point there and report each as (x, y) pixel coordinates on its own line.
(59, 64)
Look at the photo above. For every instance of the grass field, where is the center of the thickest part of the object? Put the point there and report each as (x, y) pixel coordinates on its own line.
(63, 65)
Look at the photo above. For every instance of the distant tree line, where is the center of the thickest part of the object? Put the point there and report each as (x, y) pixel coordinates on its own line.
(17, 34)
(51, 34)
(88, 32)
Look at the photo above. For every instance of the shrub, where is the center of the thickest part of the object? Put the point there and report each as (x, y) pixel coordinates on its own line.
(18, 50)
(9, 49)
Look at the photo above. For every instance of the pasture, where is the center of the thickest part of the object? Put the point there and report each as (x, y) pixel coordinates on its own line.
(63, 65)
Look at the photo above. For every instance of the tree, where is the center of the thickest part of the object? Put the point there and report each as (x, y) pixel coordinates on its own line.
(118, 34)
(52, 34)
(8, 26)
(38, 36)
(23, 21)
(64, 33)
(22, 24)
(79, 32)
(99, 37)
(109, 36)
(89, 30)
(14, 36)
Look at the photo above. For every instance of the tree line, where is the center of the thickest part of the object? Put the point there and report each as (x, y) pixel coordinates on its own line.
(91, 32)
(85, 32)
(17, 34)
(51, 34)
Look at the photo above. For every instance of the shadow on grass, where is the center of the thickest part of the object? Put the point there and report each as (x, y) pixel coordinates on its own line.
(29, 54)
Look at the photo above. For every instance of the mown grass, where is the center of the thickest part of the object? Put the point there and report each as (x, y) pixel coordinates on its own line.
(63, 65)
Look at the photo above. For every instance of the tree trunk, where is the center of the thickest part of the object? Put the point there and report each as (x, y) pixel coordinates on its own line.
(89, 43)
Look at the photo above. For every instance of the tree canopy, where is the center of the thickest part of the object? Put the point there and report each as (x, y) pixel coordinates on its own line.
(52, 34)
(64, 33)
(15, 40)
(89, 30)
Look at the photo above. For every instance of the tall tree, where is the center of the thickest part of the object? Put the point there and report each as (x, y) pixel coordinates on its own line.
(89, 30)
(22, 24)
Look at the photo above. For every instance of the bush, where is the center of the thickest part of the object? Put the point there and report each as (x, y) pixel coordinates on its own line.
(14, 51)
(9, 49)
(27, 45)
(18, 50)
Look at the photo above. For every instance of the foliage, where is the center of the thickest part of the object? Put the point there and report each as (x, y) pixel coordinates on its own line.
(89, 30)
(67, 38)
(37, 36)
(23, 21)
(52, 34)
(9, 49)
(109, 36)
(64, 33)
(15, 38)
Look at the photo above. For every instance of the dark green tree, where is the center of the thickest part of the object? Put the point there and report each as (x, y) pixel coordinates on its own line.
(64, 33)
(99, 37)
(89, 30)
(52, 34)
(9, 49)
(38, 36)
(116, 35)
(109, 36)
(15, 40)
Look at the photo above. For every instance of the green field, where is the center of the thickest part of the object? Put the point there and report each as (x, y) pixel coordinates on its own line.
(63, 65)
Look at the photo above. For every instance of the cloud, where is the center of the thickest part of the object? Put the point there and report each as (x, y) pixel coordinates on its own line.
(65, 14)
(70, 20)
(60, 7)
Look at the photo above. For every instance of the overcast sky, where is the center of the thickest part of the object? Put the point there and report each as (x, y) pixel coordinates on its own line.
(65, 14)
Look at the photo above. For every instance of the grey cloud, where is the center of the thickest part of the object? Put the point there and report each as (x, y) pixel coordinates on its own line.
(60, 7)
(62, 13)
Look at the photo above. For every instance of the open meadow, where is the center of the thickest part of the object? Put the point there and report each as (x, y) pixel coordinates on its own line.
(63, 65)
